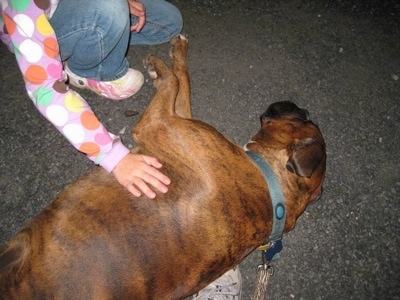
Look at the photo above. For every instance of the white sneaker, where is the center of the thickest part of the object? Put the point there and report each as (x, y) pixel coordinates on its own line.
(119, 89)
(227, 287)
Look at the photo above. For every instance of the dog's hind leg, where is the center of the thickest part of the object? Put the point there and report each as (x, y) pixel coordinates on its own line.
(178, 54)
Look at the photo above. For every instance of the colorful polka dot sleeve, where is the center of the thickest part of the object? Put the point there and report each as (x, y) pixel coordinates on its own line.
(25, 29)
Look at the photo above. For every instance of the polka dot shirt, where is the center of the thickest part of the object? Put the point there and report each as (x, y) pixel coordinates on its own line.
(25, 29)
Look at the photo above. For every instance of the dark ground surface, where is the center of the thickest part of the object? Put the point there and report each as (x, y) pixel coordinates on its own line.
(338, 59)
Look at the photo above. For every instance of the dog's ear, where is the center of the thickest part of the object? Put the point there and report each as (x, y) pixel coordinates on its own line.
(305, 156)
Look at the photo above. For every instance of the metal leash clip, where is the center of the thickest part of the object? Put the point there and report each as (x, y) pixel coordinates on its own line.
(269, 251)
(265, 268)
(264, 273)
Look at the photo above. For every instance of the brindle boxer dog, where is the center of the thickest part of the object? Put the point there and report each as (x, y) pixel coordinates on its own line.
(97, 241)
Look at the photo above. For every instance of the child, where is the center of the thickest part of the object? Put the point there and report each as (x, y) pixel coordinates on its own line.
(84, 42)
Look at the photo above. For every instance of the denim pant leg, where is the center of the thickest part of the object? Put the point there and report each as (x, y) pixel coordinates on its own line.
(163, 22)
(93, 36)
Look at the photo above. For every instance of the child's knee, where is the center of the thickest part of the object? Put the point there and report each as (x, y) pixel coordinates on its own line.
(176, 21)
(113, 16)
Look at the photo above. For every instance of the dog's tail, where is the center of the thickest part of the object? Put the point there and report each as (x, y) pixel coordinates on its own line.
(14, 260)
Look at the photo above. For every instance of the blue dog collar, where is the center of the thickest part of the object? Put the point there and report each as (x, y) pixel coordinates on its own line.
(277, 199)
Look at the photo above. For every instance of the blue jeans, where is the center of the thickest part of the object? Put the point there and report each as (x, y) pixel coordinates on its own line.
(94, 35)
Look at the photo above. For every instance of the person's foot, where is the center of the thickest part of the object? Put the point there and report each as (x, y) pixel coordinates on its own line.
(227, 287)
(119, 89)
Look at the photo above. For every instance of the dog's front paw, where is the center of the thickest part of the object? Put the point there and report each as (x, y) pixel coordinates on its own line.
(179, 45)
(149, 65)
(180, 38)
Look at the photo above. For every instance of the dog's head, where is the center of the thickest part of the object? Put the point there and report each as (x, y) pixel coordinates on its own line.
(295, 148)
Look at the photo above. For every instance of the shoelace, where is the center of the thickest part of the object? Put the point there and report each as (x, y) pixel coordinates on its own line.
(214, 293)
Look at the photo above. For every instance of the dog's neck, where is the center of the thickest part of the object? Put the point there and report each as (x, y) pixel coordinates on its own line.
(276, 194)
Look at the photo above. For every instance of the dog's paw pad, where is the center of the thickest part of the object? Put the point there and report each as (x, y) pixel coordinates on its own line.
(150, 68)
(152, 73)
(180, 39)
(184, 37)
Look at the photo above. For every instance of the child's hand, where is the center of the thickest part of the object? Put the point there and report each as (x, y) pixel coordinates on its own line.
(136, 171)
(139, 11)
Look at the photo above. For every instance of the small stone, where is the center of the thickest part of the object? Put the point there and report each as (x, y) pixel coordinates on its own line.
(395, 77)
(122, 131)
(130, 113)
